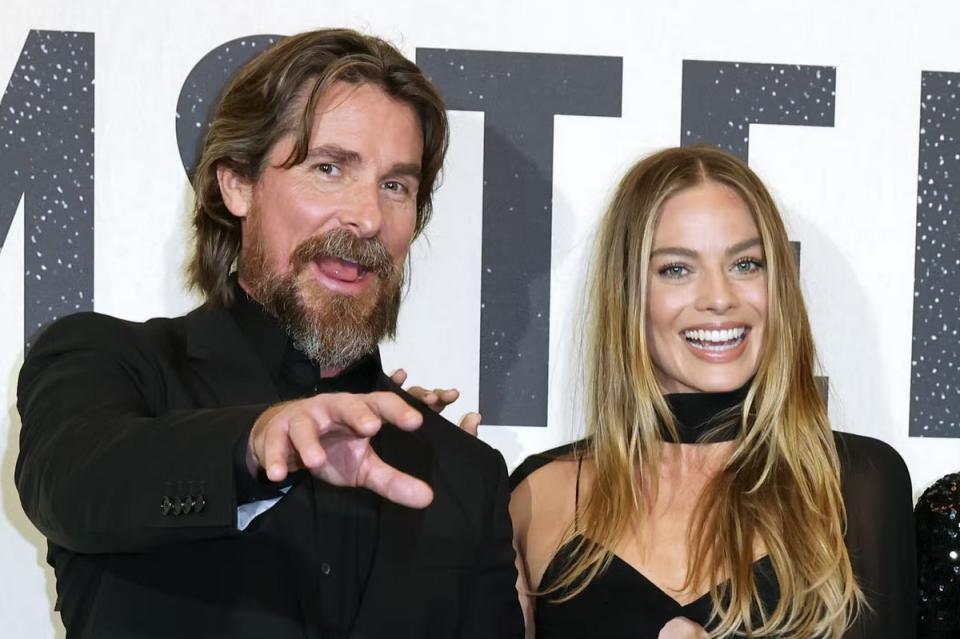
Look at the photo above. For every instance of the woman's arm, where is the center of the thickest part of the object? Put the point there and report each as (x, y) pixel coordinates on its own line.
(880, 536)
(520, 515)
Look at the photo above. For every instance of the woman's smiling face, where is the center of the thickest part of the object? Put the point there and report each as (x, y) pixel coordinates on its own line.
(706, 292)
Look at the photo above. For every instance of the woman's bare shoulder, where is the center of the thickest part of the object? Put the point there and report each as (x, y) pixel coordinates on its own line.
(543, 506)
(562, 456)
(544, 489)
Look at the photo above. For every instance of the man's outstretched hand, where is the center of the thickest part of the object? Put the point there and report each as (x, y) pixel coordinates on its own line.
(438, 399)
(329, 435)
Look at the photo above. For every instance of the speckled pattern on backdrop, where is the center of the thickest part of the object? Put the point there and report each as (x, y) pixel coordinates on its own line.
(935, 363)
(722, 99)
(519, 93)
(46, 155)
(202, 88)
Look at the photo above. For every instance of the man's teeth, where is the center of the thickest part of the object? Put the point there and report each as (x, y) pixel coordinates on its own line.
(722, 339)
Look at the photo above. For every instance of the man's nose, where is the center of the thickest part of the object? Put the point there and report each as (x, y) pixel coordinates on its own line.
(716, 292)
(362, 212)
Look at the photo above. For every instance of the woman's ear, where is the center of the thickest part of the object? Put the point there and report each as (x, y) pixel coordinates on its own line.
(236, 191)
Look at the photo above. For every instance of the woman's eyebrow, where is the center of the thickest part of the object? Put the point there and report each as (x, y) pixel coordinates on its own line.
(674, 250)
(744, 245)
(686, 252)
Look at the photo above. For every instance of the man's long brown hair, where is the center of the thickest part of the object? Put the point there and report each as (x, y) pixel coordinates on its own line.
(275, 95)
(781, 483)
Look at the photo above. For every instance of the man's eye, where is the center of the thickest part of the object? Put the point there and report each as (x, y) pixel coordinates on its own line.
(396, 187)
(328, 169)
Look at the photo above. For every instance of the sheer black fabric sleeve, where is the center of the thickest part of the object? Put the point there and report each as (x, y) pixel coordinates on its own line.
(880, 536)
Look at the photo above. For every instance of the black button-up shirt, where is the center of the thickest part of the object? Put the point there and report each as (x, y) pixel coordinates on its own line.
(346, 519)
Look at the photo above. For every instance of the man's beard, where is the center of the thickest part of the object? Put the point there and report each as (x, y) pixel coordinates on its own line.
(332, 329)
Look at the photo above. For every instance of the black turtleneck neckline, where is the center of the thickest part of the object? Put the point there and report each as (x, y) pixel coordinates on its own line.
(706, 417)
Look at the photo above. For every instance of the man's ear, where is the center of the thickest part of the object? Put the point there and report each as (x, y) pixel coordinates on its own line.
(237, 191)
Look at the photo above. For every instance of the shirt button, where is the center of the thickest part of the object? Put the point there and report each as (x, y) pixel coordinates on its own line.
(325, 568)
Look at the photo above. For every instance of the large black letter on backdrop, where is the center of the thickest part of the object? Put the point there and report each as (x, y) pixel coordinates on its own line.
(935, 374)
(46, 129)
(722, 99)
(519, 93)
(202, 88)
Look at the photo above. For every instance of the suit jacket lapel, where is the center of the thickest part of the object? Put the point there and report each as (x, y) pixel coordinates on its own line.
(232, 374)
(398, 539)
(227, 368)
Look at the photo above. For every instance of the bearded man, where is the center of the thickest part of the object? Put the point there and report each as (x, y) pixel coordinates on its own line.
(248, 470)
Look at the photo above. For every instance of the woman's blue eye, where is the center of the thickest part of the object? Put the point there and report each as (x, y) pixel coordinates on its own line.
(673, 270)
(748, 265)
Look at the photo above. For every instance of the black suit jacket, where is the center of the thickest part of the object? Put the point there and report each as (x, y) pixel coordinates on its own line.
(127, 465)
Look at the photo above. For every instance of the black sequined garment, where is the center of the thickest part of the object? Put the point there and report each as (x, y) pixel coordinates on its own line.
(938, 559)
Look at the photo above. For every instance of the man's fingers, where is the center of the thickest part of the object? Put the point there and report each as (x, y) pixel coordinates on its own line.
(355, 412)
(390, 407)
(275, 452)
(398, 376)
(443, 397)
(470, 423)
(304, 437)
(392, 484)
(447, 395)
(437, 399)
(422, 394)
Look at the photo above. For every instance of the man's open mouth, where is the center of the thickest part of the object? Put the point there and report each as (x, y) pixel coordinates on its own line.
(340, 269)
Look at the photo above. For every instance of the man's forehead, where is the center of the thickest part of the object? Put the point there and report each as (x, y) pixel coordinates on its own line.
(341, 123)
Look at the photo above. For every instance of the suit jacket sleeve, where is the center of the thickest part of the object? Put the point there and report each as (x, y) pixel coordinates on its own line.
(103, 465)
(495, 611)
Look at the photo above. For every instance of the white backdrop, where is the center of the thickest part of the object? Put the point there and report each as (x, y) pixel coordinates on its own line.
(849, 192)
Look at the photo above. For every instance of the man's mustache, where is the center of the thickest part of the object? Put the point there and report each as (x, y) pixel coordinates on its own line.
(369, 253)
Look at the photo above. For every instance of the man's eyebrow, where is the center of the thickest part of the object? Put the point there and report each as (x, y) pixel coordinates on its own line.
(334, 153)
(409, 169)
(679, 250)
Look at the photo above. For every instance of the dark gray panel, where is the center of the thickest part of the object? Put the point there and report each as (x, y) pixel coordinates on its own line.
(202, 88)
(519, 93)
(935, 369)
(46, 156)
(722, 99)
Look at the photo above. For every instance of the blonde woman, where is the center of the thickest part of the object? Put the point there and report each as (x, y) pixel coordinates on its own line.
(710, 496)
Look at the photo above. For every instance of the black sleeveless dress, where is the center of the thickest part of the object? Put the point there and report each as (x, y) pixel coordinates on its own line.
(623, 604)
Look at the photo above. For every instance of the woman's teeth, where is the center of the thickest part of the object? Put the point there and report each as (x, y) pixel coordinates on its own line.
(716, 340)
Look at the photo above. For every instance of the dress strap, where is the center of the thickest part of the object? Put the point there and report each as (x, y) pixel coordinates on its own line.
(576, 494)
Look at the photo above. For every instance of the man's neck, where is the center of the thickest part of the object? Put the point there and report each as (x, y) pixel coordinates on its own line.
(331, 372)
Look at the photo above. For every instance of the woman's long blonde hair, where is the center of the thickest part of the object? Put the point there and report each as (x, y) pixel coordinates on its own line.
(781, 484)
